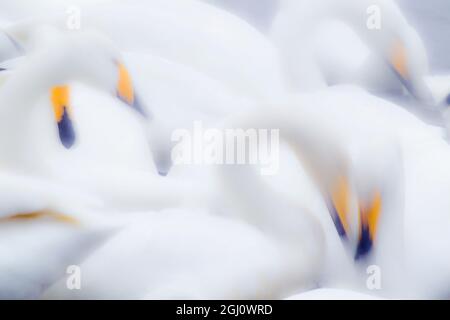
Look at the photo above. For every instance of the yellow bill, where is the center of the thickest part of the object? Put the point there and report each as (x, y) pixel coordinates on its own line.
(399, 60)
(369, 216)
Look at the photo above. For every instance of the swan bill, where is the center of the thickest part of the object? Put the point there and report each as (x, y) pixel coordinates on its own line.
(398, 60)
(126, 93)
(369, 216)
(36, 215)
(61, 109)
(339, 206)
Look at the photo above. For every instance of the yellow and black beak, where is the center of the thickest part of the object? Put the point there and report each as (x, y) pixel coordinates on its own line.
(339, 206)
(125, 91)
(398, 61)
(60, 98)
(369, 216)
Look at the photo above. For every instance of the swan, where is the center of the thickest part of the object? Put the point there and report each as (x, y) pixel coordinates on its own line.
(424, 214)
(45, 227)
(386, 60)
(329, 148)
(288, 230)
(118, 84)
(188, 32)
(85, 165)
(290, 233)
(372, 162)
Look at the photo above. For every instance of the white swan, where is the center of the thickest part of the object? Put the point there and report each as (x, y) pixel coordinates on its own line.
(332, 294)
(62, 64)
(383, 230)
(288, 232)
(392, 56)
(45, 228)
(317, 135)
(183, 254)
(188, 32)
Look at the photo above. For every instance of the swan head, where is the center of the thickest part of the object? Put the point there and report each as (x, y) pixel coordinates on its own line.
(43, 244)
(409, 70)
(9, 48)
(356, 212)
(84, 57)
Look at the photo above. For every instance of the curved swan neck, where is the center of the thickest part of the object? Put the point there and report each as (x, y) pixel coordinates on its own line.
(265, 208)
(260, 203)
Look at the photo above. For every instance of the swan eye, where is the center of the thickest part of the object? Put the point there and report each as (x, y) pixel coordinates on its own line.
(339, 206)
(61, 108)
(42, 214)
(398, 60)
(125, 90)
(368, 223)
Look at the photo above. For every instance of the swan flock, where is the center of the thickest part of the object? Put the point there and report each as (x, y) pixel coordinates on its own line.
(168, 149)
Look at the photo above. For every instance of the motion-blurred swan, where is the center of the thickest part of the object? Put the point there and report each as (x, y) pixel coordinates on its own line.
(185, 31)
(374, 231)
(113, 79)
(426, 176)
(332, 294)
(99, 67)
(186, 254)
(288, 231)
(44, 229)
(384, 59)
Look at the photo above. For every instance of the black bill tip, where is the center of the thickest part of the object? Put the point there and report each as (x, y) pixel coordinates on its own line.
(66, 130)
